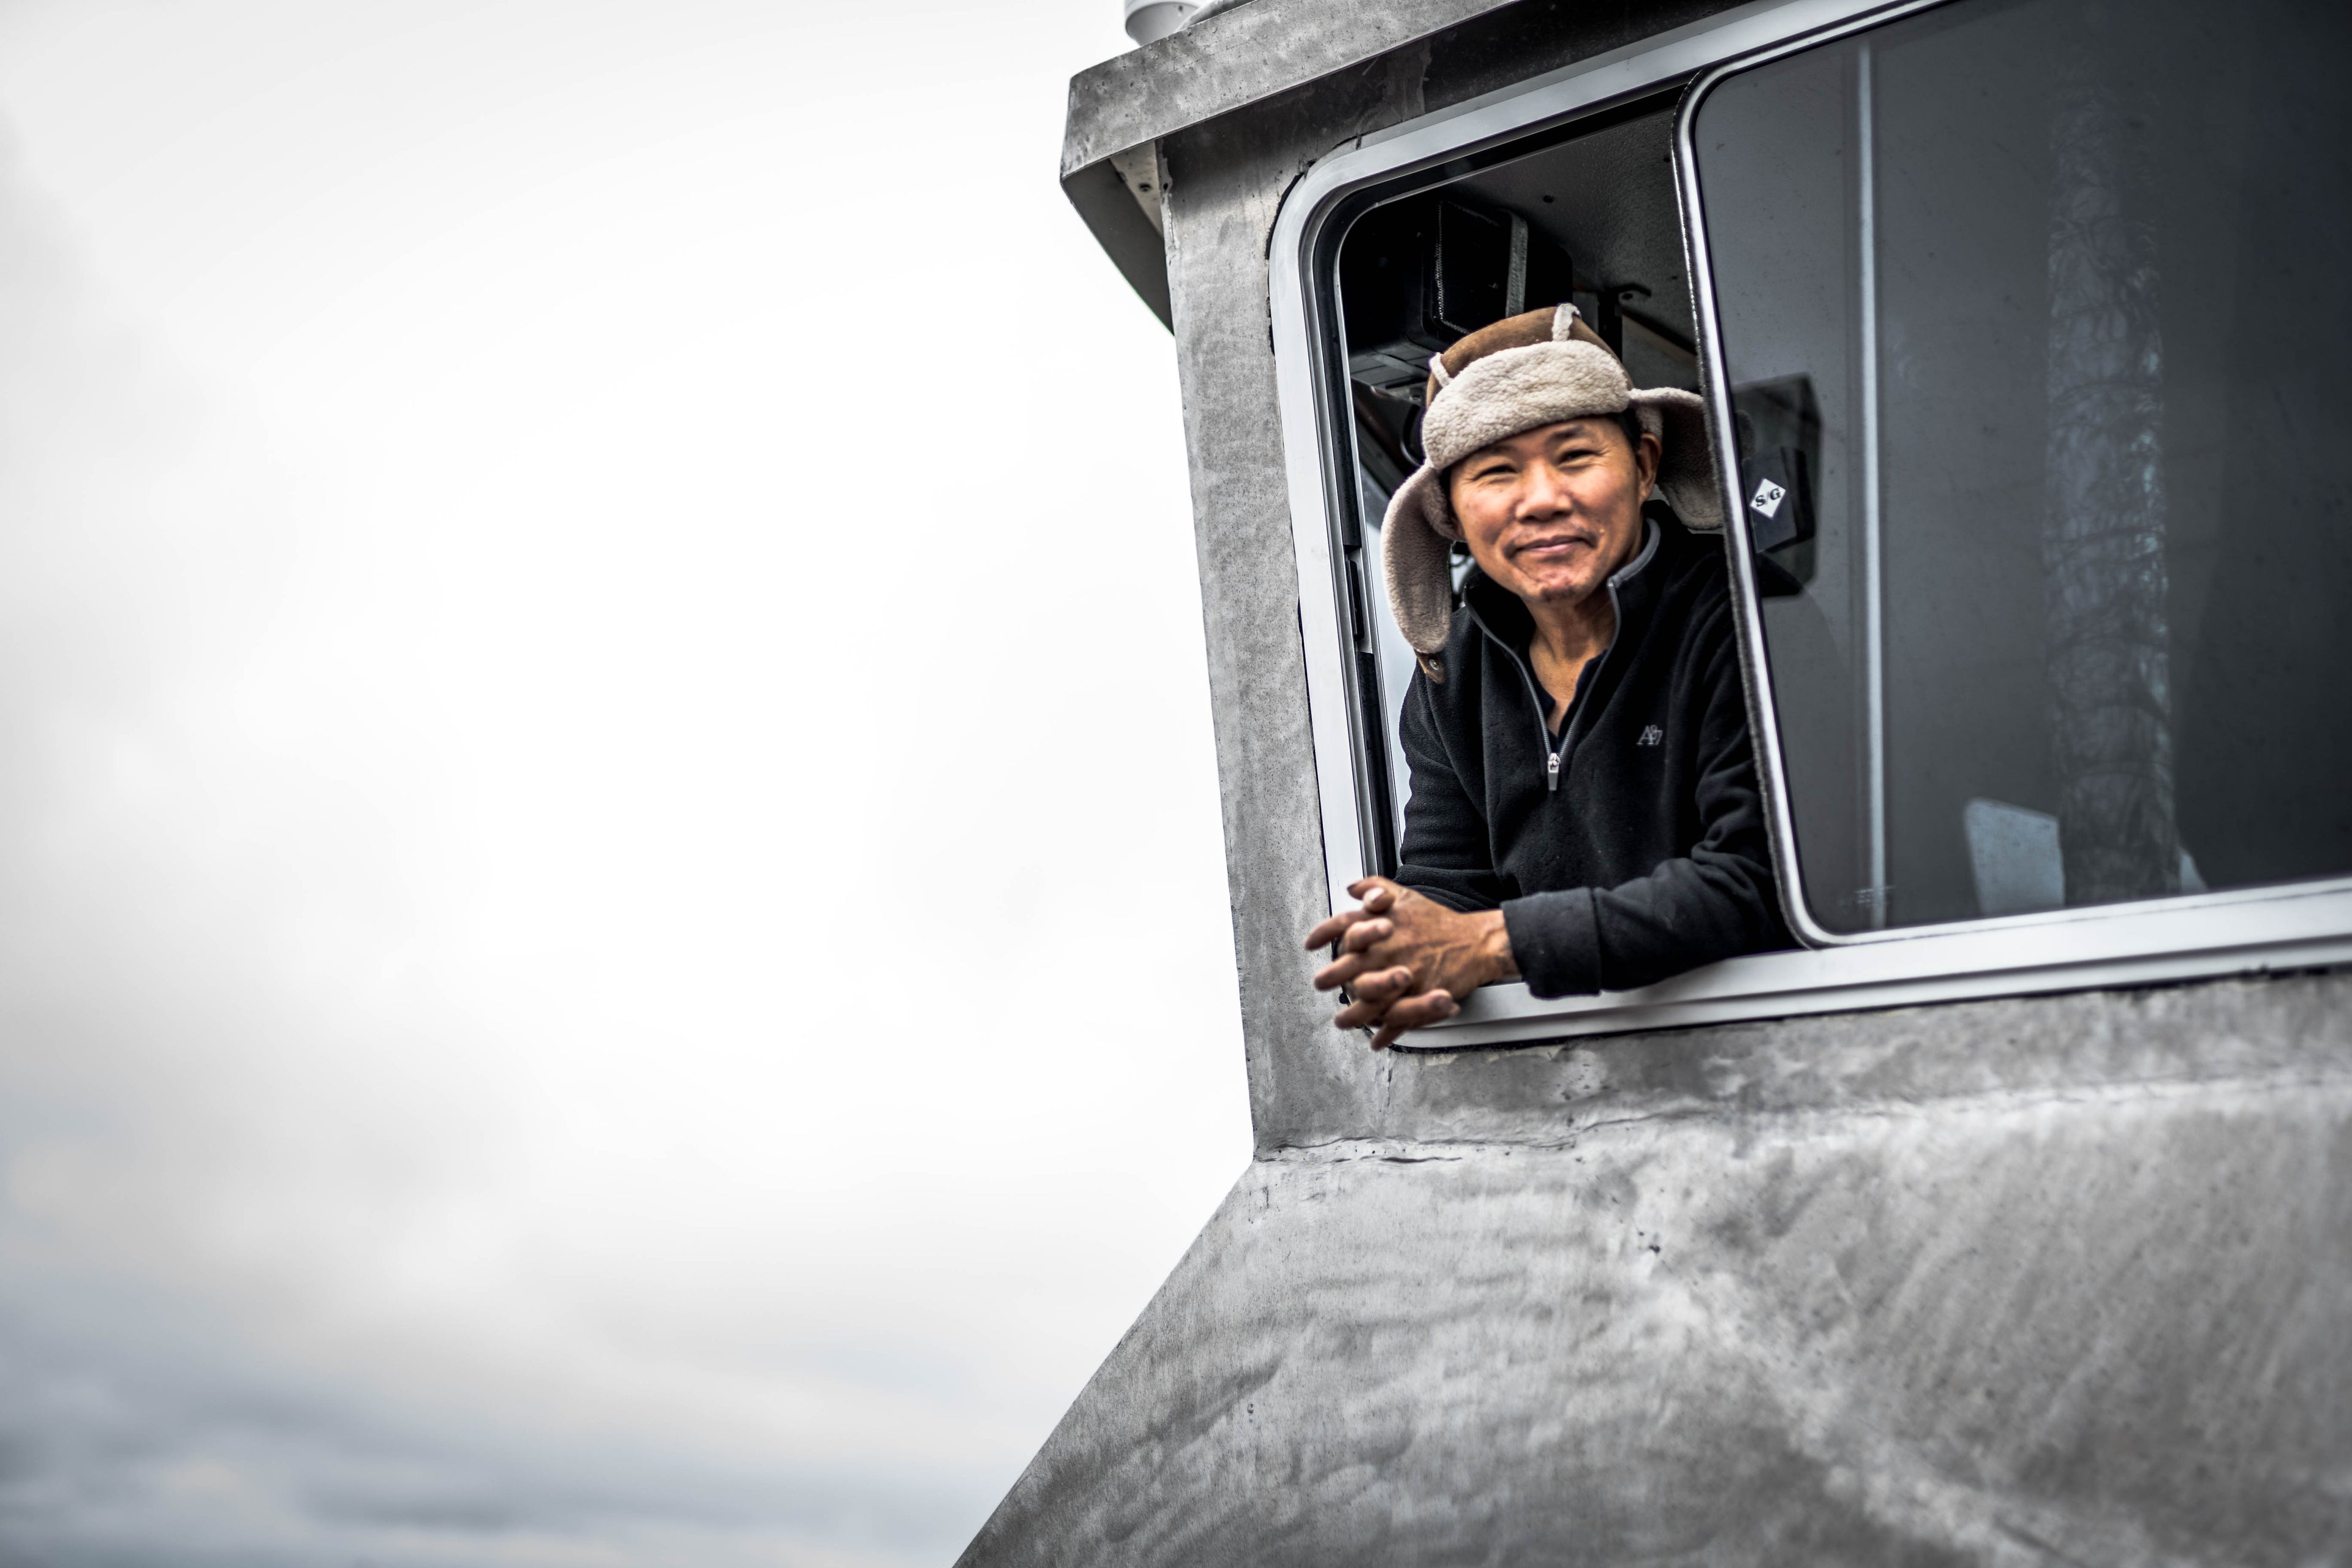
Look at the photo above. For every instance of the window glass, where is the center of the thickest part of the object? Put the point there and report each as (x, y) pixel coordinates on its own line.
(2035, 328)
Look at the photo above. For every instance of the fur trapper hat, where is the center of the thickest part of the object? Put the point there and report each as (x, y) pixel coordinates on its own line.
(1528, 371)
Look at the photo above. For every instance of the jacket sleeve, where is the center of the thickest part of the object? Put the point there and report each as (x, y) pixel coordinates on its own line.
(1446, 852)
(1716, 902)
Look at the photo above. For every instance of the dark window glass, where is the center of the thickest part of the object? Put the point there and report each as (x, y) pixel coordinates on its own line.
(2037, 331)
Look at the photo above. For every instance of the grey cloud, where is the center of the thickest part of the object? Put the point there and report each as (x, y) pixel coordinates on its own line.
(339, 1221)
(145, 1438)
(144, 1426)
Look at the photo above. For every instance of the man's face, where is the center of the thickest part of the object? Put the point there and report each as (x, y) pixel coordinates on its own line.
(1551, 512)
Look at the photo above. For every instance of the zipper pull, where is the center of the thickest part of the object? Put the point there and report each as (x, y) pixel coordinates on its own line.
(1551, 773)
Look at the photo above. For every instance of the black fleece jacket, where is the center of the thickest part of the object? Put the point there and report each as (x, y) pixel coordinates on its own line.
(1646, 855)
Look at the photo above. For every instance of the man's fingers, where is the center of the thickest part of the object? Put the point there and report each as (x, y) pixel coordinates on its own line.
(1361, 976)
(1381, 999)
(1412, 1013)
(1340, 972)
(1331, 931)
(1379, 898)
(1369, 996)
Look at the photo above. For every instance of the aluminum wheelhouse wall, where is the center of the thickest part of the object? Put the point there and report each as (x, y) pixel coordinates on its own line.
(2028, 1278)
(2291, 926)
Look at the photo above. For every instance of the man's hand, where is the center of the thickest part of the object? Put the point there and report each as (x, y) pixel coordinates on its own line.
(1407, 960)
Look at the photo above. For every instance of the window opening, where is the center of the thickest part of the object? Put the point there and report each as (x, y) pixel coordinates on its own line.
(1588, 216)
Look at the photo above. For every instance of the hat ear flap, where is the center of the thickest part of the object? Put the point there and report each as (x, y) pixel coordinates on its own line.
(1687, 476)
(1417, 558)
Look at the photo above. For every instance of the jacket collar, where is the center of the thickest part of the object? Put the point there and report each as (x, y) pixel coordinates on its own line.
(1633, 587)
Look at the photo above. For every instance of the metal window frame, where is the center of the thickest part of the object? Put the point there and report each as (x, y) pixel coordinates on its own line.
(2296, 926)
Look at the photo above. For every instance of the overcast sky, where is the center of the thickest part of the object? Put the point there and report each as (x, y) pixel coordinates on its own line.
(613, 943)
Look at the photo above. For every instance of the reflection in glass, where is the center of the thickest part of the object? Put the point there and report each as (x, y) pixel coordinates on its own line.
(2057, 286)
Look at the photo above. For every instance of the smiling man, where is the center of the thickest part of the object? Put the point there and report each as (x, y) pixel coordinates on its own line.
(1584, 810)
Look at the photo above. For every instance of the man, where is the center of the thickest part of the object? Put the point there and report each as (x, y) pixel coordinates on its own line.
(1584, 810)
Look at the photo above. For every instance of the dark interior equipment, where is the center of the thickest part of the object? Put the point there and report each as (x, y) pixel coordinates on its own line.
(1780, 432)
(1419, 274)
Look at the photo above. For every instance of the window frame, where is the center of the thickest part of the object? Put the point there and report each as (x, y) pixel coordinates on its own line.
(2297, 925)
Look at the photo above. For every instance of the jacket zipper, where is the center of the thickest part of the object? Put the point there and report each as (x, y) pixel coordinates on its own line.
(1554, 758)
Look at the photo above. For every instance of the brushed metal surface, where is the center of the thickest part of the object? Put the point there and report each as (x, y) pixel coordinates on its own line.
(2048, 1280)
(1231, 60)
(2040, 1279)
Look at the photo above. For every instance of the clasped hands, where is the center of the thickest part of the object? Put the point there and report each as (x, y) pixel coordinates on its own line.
(1408, 960)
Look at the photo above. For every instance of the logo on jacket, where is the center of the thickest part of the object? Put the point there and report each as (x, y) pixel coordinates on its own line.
(1651, 736)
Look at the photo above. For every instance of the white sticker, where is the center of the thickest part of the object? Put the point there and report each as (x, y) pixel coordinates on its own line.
(1767, 498)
